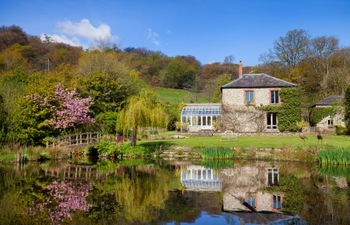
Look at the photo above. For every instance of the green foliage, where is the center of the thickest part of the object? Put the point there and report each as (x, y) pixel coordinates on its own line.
(217, 164)
(289, 112)
(217, 153)
(301, 124)
(334, 156)
(347, 109)
(108, 148)
(109, 92)
(223, 79)
(3, 122)
(179, 73)
(106, 121)
(156, 146)
(340, 130)
(134, 151)
(292, 188)
(335, 171)
(142, 111)
(318, 113)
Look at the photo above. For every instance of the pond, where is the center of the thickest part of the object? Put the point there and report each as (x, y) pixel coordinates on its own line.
(179, 192)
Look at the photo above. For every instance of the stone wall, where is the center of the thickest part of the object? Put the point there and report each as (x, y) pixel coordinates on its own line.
(242, 119)
(338, 120)
(236, 96)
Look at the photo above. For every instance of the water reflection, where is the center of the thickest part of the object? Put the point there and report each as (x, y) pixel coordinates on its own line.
(150, 192)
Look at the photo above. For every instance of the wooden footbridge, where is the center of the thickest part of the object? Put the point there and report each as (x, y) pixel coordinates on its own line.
(73, 140)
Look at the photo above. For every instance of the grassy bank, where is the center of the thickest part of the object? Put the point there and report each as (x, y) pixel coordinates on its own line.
(176, 96)
(260, 141)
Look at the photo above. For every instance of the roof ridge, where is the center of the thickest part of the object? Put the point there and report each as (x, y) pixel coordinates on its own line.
(252, 80)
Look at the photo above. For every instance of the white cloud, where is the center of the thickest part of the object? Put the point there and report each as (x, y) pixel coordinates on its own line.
(153, 37)
(58, 38)
(83, 33)
(96, 35)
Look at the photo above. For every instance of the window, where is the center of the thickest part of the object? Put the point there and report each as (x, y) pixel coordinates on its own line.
(209, 120)
(250, 199)
(249, 97)
(275, 97)
(272, 177)
(330, 123)
(204, 120)
(199, 120)
(194, 120)
(277, 203)
(271, 120)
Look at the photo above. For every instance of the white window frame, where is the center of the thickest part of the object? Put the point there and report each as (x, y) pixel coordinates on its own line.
(271, 126)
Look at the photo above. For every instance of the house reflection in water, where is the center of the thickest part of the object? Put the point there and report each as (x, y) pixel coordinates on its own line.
(248, 183)
(199, 178)
(238, 184)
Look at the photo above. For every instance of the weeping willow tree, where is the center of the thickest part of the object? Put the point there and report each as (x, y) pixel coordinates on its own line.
(142, 111)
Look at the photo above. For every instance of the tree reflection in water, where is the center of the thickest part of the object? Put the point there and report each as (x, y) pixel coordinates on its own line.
(147, 192)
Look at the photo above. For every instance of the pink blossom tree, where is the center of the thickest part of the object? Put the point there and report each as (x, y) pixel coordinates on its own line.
(69, 111)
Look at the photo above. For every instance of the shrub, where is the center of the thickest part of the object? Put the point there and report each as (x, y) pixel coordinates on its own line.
(108, 148)
(340, 130)
(302, 124)
(137, 150)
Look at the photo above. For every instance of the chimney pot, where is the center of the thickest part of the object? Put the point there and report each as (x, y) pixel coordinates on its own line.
(240, 69)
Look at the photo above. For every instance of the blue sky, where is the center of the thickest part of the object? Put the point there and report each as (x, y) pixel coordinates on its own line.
(208, 30)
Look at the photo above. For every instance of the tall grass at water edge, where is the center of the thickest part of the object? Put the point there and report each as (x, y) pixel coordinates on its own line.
(334, 156)
(217, 153)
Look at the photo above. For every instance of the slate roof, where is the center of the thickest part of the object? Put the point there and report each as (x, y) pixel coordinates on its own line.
(257, 80)
(330, 100)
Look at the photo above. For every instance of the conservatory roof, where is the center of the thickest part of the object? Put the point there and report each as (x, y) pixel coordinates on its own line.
(202, 109)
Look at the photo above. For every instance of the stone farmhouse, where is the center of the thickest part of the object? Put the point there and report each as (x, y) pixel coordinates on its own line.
(334, 117)
(239, 108)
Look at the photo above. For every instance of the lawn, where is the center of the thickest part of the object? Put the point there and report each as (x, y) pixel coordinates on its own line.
(176, 96)
(261, 141)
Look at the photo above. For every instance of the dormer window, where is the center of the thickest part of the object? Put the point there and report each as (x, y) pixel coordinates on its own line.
(249, 97)
(275, 97)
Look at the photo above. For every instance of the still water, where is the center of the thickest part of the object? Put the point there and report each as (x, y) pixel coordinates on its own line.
(158, 192)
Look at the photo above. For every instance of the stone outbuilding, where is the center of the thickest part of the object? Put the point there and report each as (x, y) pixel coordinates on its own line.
(333, 113)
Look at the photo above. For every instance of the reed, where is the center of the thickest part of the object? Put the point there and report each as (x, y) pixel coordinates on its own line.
(334, 156)
(335, 171)
(217, 153)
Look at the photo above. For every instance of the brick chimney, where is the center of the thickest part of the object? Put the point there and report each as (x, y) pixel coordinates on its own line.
(240, 69)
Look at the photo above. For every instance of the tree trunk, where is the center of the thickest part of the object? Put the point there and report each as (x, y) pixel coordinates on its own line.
(134, 137)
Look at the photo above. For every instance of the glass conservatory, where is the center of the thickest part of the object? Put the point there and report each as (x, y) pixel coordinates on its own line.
(200, 116)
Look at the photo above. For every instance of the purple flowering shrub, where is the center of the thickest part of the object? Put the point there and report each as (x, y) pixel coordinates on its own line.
(67, 197)
(69, 110)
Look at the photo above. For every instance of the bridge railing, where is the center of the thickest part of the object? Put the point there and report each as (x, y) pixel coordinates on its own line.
(75, 140)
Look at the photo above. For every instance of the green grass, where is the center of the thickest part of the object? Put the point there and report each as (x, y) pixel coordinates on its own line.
(176, 96)
(260, 141)
(7, 156)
